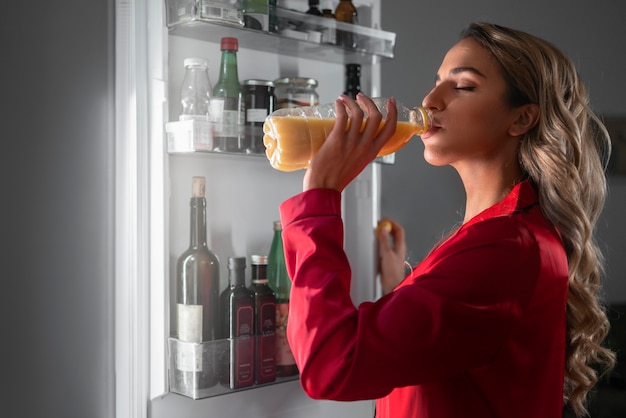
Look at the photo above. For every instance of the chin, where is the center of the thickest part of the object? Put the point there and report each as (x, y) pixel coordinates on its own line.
(434, 159)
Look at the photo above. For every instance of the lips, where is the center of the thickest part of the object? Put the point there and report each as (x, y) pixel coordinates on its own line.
(435, 127)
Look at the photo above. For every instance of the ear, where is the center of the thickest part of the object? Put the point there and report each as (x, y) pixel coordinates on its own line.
(527, 118)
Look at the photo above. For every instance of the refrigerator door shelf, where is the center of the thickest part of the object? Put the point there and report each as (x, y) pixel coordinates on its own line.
(225, 12)
(189, 136)
(299, 35)
(201, 370)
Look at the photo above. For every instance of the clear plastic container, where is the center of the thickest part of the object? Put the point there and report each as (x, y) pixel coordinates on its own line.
(295, 91)
(293, 135)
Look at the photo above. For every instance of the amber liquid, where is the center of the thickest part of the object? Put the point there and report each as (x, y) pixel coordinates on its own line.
(291, 141)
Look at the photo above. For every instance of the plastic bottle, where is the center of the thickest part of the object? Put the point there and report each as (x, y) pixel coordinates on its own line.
(195, 92)
(279, 281)
(353, 80)
(227, 104)
(293, 135)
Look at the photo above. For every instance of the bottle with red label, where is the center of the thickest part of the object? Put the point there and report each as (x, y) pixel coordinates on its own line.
(237, 307)
(281, 284)
(264, 322)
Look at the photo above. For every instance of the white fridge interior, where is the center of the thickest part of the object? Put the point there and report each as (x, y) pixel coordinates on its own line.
(243, 194)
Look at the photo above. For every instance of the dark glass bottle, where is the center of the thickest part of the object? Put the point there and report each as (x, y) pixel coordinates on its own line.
(197, 295)
(347, 13)
(226, 110)
(329, 34)
(237, 304)
(264, 322)
(353, 80)
(279, 281)
(314, 8)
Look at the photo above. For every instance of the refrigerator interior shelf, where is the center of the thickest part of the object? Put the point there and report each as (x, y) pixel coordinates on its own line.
(201, 370)
(188, 136)
(299, 34)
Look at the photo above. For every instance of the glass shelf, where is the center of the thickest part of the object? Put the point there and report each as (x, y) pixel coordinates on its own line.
(299, 35)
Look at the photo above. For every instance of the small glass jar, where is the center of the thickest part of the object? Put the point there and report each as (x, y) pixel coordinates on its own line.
(295, 92)
(259, 100)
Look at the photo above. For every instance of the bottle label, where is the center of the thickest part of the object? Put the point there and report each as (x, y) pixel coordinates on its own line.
(266, 358)
(190, 323)
(225, 116)
(188, 357)
(245, 321)
(284, 356)
(256, 115)
(267, 318)
(242, 350)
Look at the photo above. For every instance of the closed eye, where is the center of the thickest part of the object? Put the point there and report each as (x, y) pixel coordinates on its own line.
(466, 88)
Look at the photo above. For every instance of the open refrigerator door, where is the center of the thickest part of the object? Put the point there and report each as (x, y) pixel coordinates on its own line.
(243, 193)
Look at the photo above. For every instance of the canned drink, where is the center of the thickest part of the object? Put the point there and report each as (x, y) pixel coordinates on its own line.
(295, 92)
(259, 100)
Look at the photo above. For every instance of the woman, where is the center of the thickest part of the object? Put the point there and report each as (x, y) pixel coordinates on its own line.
(502, 319)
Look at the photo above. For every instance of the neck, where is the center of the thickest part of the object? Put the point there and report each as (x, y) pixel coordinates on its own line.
(486, 186)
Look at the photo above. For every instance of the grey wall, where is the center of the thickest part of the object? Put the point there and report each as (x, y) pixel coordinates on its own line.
(428, 200)
(56, 173)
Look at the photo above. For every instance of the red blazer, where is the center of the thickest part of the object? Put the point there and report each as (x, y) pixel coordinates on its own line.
(477, 330)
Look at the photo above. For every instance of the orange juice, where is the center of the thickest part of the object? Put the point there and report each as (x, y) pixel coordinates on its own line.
(291, 141)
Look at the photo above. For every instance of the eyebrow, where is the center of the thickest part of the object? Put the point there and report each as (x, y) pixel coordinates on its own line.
(459, 70)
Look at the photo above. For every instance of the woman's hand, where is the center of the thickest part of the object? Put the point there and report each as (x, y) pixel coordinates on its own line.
(346, 152)
(391, 254)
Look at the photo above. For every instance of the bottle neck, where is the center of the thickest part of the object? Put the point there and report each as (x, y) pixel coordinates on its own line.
(353, 85)
(259, 273)
(237, 277)
(228, 69)
(198, 222)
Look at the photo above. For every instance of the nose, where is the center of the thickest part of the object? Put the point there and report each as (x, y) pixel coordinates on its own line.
(432, 100)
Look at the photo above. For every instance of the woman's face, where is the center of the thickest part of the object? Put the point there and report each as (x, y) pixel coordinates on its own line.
(471, 119)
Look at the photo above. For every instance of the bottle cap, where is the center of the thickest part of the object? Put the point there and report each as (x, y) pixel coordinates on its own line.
(197, 187)
(278, 226)
(296, 81)
(257, 82)
(259, 259)
(229, 44)
(195, 62)
(236, 263)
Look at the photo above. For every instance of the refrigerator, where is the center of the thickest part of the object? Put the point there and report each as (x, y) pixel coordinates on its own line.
(243, 192)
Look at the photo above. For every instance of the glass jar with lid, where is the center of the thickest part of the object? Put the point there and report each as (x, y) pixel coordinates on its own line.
(259, 101)
(295, 92)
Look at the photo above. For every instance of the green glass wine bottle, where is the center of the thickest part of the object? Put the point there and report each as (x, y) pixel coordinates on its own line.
(279, 281)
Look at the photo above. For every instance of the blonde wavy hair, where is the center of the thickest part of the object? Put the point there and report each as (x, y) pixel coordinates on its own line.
(565, 155)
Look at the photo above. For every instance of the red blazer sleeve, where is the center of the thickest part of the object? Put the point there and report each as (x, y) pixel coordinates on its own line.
(451, 315)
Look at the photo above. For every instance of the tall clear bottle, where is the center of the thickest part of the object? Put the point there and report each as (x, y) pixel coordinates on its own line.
(279, 281)
(226, 111)
(293, 135)
(197, 300)
(195, 92)
(353, 80)
(237, 313)
(347, 13)
(264, 322)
